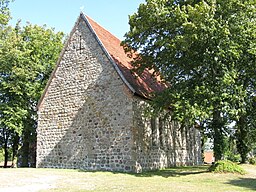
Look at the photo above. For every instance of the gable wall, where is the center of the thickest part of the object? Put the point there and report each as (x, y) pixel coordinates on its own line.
(85, 117)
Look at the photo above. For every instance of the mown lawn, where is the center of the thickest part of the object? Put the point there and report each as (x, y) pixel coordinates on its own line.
(184, 179)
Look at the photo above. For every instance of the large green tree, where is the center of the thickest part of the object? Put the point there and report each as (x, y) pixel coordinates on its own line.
(4, 19)
(205, 51)
(27, 57)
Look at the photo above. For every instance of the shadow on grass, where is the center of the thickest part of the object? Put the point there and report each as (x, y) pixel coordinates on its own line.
(249, 183)
(173, 172)
(170, 172)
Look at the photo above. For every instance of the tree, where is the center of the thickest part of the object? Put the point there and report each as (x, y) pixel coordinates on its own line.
(245, 82)
(4, 18)
(27, 57)
(42, 47)
(246, 128)
(205, 50)
(4, 12)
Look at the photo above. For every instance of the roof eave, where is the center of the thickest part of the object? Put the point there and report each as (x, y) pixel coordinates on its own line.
(103, 49)
(112, 61)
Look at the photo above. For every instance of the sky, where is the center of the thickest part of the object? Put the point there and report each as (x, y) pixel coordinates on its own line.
(62, 14)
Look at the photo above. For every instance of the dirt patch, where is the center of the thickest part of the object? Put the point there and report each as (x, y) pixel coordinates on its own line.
(26, 182)
(250, 169)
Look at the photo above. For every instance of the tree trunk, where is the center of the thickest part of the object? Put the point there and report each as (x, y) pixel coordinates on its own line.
(28, 143)
(218, 142)
(25, 150)
(242, 136)
(15, 147)
(6, 152)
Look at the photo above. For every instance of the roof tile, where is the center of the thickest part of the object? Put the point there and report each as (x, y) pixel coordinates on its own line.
(144, 84)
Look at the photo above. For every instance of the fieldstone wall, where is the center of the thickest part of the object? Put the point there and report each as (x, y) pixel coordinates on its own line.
(86, 115)
(88, 119)
(161, 143)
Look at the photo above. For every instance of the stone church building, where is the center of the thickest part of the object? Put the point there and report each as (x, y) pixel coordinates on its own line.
(91, 114)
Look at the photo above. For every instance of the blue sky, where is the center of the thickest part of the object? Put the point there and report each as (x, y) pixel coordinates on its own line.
(62, 14)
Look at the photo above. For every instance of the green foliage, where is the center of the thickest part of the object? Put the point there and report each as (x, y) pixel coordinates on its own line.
(231, 150)
(252, 160)
(234, 157)
(226, 166)
(206, 51)
(4, 12)
(245, 134)
(27, 57)
(1, 155)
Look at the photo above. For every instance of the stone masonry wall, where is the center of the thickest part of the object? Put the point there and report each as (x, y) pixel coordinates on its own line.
(85, 118)
(159, 143)
(88, 119)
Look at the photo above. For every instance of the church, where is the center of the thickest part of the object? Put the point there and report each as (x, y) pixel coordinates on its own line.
(91, 115)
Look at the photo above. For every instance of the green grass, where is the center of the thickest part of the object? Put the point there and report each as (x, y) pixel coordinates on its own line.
(181, 179)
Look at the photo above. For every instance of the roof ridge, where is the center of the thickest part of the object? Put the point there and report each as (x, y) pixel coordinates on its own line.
(90, 19)
(143, 85)
(87, 19)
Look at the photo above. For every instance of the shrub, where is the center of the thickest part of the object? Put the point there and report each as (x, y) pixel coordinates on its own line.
(226, 166)
(252, 160)
(1, 155)
(234, 157)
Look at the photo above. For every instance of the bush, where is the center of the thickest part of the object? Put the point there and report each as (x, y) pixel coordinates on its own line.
(226, 166)
(1, 155)
(252, 160)
(234, 157)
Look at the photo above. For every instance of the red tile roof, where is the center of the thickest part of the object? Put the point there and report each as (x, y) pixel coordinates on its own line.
(144, 85)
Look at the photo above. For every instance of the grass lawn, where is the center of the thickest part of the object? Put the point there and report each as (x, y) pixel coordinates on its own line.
(184, 179)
